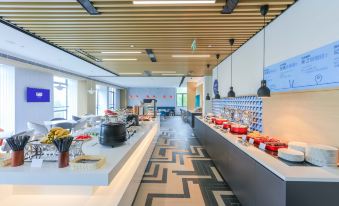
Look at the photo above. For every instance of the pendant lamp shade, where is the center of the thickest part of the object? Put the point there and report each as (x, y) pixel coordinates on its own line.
(217, 94)
(208, 96)
(264, 91)
(231, 93)
(91, 90)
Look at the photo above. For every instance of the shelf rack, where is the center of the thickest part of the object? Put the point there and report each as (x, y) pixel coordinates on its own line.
(249, 103)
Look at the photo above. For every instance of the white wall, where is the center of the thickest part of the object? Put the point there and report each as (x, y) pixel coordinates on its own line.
(157, 92)
(31, 111)
(307, 25)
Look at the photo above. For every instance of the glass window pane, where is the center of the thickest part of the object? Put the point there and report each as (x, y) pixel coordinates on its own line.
(60, 99)
(185, 100)
(59, 79)
(179, 100)
(60, 114)
(182, 90)
(60, 103)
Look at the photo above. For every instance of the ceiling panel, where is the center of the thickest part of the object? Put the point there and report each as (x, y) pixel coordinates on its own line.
(167, 29)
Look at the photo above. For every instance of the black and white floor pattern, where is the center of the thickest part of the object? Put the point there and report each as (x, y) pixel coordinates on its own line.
(180, 172)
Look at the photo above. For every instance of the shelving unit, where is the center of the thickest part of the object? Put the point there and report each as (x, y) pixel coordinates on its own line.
(246, 103)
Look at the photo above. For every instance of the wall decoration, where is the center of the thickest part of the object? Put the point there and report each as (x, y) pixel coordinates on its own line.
(316, 69)
(152, 93)
(215, 87)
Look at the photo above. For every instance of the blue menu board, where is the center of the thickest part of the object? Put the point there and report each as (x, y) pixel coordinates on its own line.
(318, 68)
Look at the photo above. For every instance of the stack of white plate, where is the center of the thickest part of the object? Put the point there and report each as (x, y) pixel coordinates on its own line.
(322, 155)
(299, 146)
(291, 155)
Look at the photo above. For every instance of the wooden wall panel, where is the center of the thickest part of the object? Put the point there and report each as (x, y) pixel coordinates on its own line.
(191, 91)
(303, 116)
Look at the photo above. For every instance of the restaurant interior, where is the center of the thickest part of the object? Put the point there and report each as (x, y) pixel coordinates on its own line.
(169, 103)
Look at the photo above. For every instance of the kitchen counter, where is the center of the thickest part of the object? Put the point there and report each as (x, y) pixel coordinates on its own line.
(279, 168)
(260, 179)
(190, 115)
(115, 183)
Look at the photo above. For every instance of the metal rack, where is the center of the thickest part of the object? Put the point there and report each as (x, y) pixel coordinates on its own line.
(247, 103)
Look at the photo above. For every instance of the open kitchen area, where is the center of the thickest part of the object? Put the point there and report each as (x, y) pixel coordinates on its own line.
(168, 103)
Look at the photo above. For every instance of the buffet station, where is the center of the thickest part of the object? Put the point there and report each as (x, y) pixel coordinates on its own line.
(100, 164)
(264, 170)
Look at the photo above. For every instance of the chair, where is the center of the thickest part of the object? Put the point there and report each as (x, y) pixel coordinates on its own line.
(58, 118)
(75, 118)
(39, 129)
(79, 125)
(65, 125)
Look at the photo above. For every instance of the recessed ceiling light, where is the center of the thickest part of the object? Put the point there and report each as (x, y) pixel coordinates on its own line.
(191, 56)
(121, 52)
(132, 46)
(164, 72)
(210, 45)
(119, 59)
(130, 73)
(173, 74)
(176, 2)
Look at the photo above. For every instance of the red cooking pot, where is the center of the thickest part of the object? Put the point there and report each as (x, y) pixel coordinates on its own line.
(213, 119)
(238, 129)
(226, 125)
(275, 146)
(220, 121)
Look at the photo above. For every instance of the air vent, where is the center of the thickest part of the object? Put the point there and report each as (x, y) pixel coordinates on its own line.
(151, 55)
(88, 6)
(230, 6)
(86, 54)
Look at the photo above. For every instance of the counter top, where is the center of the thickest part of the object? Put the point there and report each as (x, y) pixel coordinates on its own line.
(50, 174)
(279, 168)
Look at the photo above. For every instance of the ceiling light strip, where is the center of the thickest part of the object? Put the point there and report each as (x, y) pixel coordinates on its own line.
(120, 59)
(164, 72)
(121, 52)
(176, 2)
(191, 55)
(172, 74)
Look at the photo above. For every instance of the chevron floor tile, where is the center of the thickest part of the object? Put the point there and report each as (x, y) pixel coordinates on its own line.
(180, 172)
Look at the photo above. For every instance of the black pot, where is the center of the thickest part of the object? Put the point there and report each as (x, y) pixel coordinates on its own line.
(134, 117)
(112, 134)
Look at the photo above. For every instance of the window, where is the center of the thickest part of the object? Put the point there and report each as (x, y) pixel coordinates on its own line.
(182, 97)
(101, 99)
(7, 98)
(111, 95)
(60, 97)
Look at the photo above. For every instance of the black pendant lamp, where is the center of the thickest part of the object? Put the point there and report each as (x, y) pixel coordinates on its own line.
(208, 94)
(264, 91)
(217, 95)
(231, 93)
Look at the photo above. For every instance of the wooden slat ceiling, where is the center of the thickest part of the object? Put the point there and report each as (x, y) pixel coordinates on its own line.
(167, 29)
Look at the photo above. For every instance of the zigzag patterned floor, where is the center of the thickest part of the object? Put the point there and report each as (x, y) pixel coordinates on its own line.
(180, 172)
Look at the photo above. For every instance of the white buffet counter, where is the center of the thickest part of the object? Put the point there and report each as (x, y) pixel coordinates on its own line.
(113, 184)
(279, 168)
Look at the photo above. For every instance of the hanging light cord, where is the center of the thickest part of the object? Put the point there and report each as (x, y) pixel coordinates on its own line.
(231, 65)
(217, 69)
(264, 49)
